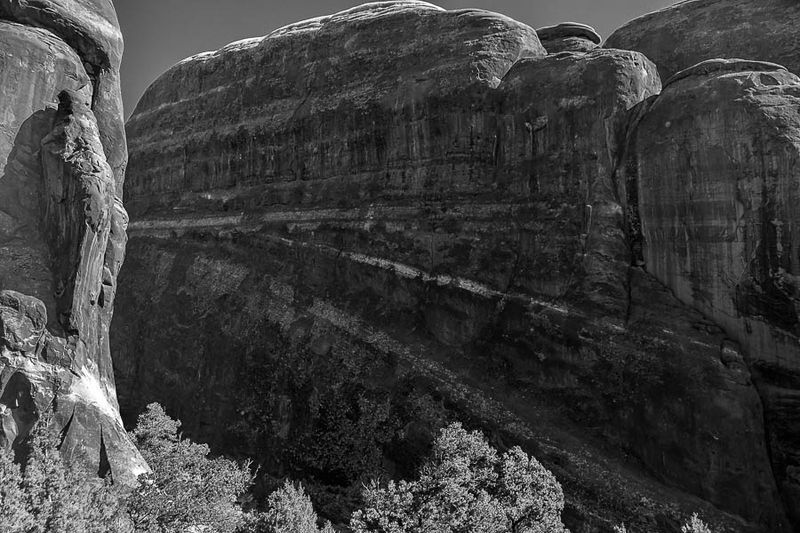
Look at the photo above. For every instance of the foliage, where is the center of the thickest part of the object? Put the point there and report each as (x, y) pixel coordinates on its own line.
(289, 511)
(314, 415)
(466, 487)
(13, 505)
(186, 489)
(48, 496)
(695, 525)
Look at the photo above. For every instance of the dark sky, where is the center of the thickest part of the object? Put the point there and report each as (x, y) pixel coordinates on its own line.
(159, 33)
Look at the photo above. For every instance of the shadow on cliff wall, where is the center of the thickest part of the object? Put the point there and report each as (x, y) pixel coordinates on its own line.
(18, 397)
(24, 255)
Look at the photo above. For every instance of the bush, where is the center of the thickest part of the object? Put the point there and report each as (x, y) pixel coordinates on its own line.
(186, 489)
(48, 496)
(466, 486)
(186, 492)
(289, 511)
(695, 525)
(13, 500)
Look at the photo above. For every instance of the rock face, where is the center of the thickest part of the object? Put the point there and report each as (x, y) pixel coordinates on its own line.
(682, 35)
(569, 37)
(361, 225)
(718, 214)
(62, 228)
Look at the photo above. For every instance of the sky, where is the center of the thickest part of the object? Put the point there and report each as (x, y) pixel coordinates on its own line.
(159, 33)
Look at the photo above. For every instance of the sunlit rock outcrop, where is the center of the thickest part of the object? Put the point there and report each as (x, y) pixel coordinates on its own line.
(62, 228)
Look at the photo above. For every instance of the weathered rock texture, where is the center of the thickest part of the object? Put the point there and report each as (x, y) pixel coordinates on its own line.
(569, 37)
(716, 156)
(682, 35)
(62, 228)
(361, 225)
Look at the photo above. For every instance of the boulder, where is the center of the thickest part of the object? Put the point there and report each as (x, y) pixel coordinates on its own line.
(62, 229)
(686, 33)
(716, 156)
(569, 37)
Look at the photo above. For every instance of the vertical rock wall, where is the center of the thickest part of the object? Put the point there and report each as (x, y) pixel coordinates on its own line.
(715, 159)
(62, 228)
(716, 156)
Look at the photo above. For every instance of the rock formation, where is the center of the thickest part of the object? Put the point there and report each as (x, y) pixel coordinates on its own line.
(716, 198)
(718, 214)
(62, 228)
(569, 37)
(366, 221)
(682, 35)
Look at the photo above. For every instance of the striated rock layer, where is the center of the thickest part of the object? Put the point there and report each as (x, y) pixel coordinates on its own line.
(62, 228)
(718, 204)
(368, 222)
(569, 37)
(686, 33)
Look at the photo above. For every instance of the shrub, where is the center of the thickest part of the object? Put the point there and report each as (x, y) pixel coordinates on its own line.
(48, 496)
(187, 489)
(695, 525)
(289, 511)
(13, 508)
(466, 486)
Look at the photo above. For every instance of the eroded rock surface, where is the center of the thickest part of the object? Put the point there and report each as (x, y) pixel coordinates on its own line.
(569, 37)
(716, 156)
(682, 35)
(369, 222)
(62, 228)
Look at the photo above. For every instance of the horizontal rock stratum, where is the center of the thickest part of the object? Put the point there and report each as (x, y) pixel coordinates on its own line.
(363, 222)
(62, 228)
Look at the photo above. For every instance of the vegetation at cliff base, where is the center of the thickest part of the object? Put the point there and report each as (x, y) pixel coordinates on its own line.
(465, 486)
(46, 495)
(186, 488)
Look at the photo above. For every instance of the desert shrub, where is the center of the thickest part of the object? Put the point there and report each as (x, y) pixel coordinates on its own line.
(13, 505)
(45, 495)
(314, 415)
(695, 525)
(186, 489)
(466, 487)
(289, 510)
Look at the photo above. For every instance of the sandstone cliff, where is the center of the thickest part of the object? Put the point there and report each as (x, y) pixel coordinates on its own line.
(717, 199)
(362, 224)
(718, 210)
(688, 32)
(62, 228)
